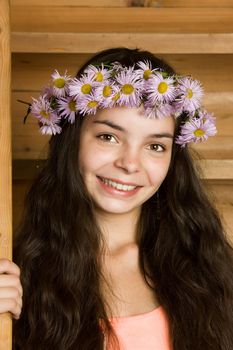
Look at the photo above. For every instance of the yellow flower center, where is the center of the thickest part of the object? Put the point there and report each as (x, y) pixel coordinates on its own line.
(59, 83)
(86, 88)
(162, 88)
(147, 74)
(107, 90)
(189, 93)
(99, 76)
(199, 132)
(72, 106)
(44, 114)
(127, 89)
(116, 96)
(92, 104)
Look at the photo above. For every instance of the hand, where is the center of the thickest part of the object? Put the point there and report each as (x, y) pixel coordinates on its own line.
(11, 290)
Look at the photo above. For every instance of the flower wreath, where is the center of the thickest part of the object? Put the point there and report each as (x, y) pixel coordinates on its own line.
(111, 85)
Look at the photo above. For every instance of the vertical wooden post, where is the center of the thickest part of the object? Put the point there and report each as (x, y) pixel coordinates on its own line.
(5, 159)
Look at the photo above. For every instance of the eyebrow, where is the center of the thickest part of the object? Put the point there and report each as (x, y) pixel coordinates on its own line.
(118, 127)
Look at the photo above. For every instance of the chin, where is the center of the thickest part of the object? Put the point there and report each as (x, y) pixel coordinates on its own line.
(115, 209)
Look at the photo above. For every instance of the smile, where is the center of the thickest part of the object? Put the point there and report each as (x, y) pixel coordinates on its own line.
(117, 185)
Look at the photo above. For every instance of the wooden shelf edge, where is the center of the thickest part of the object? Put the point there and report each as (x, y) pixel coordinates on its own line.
(92, 42)
(217, 169)
(213, 169)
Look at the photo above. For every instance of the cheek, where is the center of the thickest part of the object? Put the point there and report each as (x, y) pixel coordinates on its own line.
(93, 158)
(158, 171)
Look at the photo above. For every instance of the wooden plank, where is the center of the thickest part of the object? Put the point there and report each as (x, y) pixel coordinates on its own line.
(93, 42)
(195, 3)
(125, 3)
(214, 71)
(52, 19)
(5, 160)
(217, 169)
(221, 196)
(72, 3)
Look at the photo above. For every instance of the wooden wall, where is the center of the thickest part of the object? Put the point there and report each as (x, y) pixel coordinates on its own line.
(196, 37)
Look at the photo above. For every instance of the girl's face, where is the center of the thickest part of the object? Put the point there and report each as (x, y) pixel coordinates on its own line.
(124, 157)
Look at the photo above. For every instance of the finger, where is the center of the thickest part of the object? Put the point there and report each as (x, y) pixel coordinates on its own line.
(9, 280)
(10, 293)
(8, 266)
(10, 305)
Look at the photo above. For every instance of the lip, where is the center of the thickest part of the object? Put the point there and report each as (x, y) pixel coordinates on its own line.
(112, 191)
(119, 181)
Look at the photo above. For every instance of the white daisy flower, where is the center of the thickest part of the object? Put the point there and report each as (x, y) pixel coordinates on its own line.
(145, 69)
(42, 110)
(51, 129)
(82, 86)
(131, 87)
(160, 89)
(60, 84)
(98, 74)
(107, 94)
(67, 107)
(88, 104)
(189, 94)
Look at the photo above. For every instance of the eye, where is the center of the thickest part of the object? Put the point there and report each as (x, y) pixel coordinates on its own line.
(157, 147)
(106, 137)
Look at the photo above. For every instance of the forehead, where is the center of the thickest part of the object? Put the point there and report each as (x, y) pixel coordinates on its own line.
(132, 120)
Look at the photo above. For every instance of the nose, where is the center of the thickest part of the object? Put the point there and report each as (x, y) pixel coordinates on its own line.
(128, 160)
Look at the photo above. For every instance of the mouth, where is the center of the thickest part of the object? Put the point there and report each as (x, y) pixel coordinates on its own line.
(120, 186)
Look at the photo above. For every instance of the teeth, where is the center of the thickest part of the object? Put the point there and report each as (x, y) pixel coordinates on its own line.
(117, 185)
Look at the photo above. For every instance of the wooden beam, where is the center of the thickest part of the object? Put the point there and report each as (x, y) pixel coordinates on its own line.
(5, 160)
(93, 42)
(125, 3)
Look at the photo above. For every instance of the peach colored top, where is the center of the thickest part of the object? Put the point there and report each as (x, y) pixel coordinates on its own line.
(147, 331)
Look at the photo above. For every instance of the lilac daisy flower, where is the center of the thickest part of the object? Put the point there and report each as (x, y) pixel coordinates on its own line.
(42, 110)
(158, 111)
(88, 104)
(145, 69)
(60, 84)
(160, 89)
(51, 129)
(82, 86)
(107, 94)
(116, 66)
(204, 115)
(195, 130)
(189, 96)
(98, 74)
(48, 92)
(67, 108)
(130, 86)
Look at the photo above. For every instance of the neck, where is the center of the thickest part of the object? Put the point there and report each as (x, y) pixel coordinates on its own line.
(119, 230)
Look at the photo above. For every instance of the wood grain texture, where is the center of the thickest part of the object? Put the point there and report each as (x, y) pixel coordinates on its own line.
(92, 42)
(125, 3)
(30, 71)
(5, 160)
(57, 19)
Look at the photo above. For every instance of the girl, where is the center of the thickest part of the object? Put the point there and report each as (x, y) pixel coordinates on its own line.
(120, 247)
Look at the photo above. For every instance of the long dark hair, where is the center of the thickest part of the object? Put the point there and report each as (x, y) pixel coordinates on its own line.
(183, 251)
